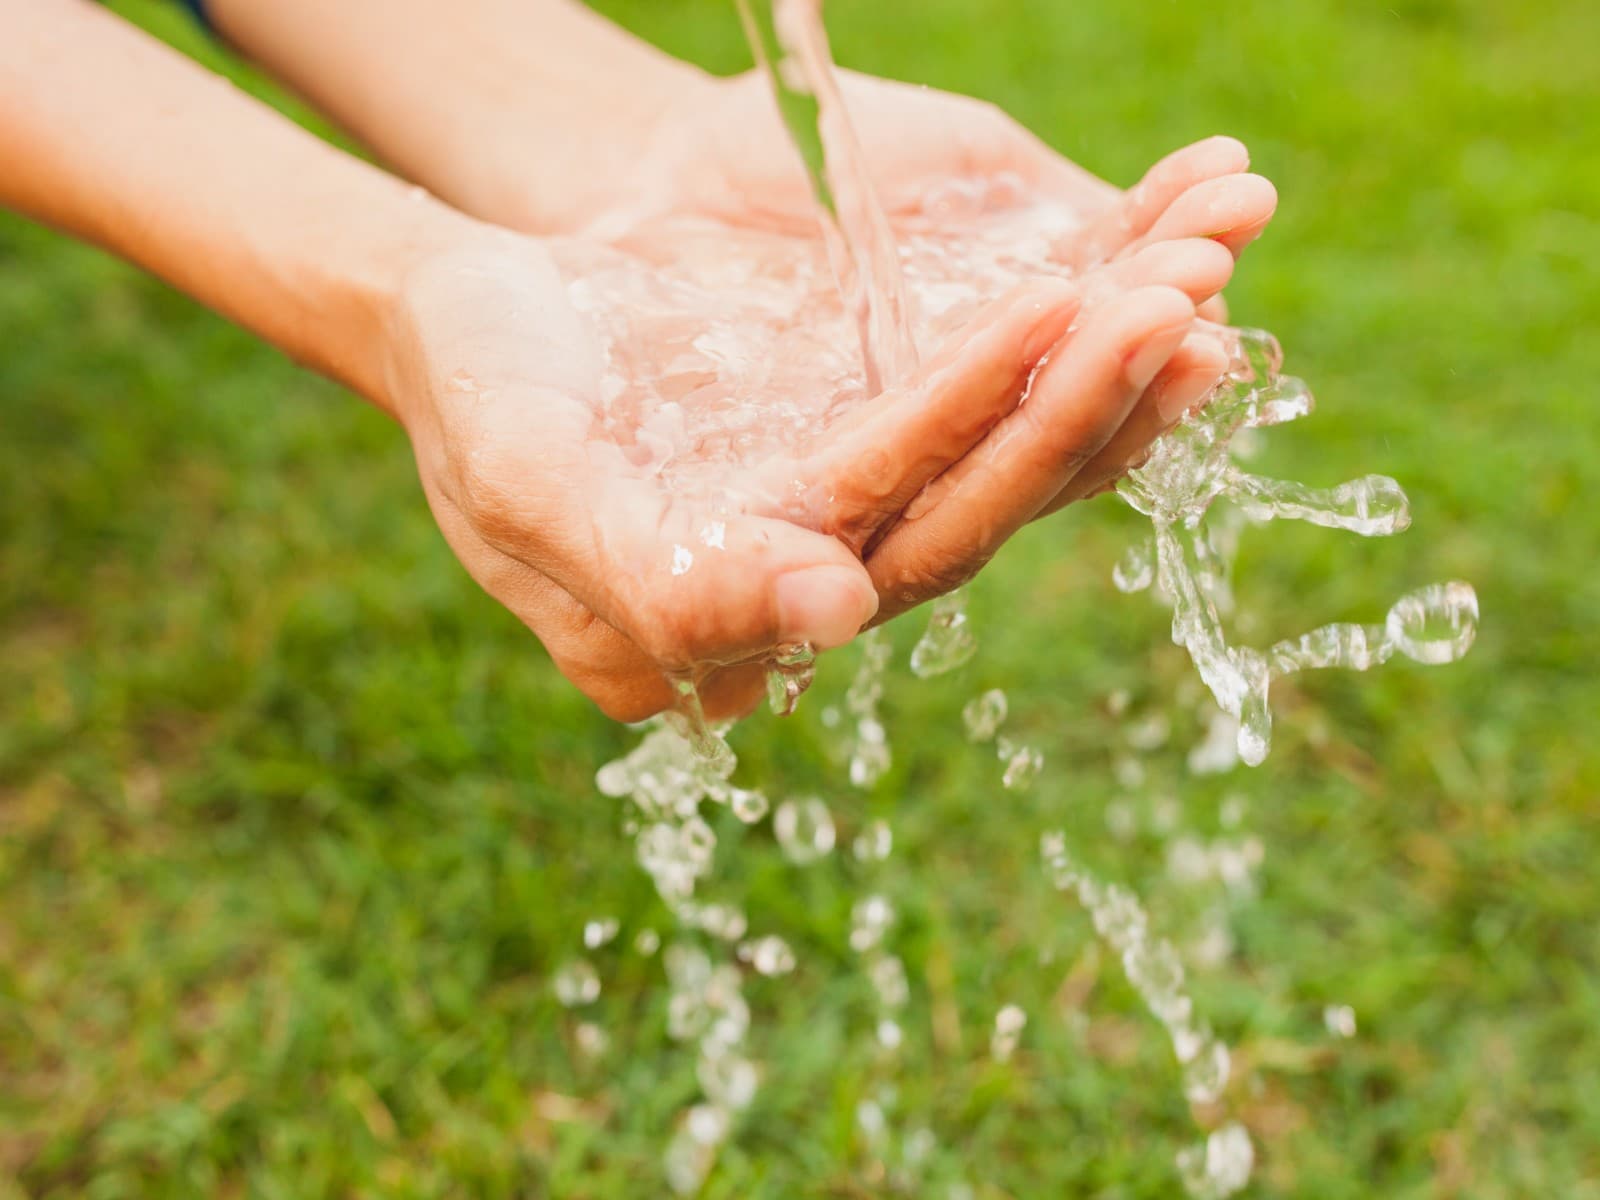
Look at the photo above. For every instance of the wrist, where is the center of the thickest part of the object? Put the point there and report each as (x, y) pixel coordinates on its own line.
(367, 300)
(550, 172)
(517, 111)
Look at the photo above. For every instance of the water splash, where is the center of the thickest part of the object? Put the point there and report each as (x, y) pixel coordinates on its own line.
(1193, 467)
(1153, 967)
(948, 642)
(719, 401)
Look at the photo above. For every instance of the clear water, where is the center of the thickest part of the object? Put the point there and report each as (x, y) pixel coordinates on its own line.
(758, 342)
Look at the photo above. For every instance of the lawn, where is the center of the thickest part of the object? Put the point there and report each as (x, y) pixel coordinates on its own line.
(296, 825)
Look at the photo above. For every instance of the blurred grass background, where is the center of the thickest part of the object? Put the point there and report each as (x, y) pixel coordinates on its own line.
(295, 824)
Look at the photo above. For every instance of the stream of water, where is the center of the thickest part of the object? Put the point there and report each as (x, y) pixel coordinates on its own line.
(849, 307)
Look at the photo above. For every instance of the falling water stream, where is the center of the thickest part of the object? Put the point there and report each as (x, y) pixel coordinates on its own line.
(861, 287)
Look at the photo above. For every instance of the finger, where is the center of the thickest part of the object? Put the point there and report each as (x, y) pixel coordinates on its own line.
(1197, 267)
(1214, 309)
(695, 589)
(1078, 401)
(624, 682)
(1136, 211)
(885, 453)
(1232, 210)
(1191, 374)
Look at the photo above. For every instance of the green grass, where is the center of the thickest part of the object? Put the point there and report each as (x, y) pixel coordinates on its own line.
(295, 824)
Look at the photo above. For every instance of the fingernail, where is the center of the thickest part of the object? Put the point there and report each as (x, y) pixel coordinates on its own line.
(1236, 241)
(1183, 393)
(1226, 152)
(1189, 388)
(1152, 354)
(826, 606)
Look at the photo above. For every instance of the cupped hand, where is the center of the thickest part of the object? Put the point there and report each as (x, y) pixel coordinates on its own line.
(628, 584)
(722, 153)
(632, 583)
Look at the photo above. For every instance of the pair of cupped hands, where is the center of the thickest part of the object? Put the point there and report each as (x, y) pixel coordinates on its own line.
(497, 379)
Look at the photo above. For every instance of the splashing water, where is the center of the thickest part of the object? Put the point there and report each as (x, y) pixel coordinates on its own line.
(847, 310)
(1193, 467)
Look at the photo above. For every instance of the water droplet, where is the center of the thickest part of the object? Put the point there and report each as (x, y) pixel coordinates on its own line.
(870, 919)
(789, 674)
(577, 983)
(804, 829)
(1008, 1025)
(1022, 764)
(1221, 1166)
(722, 921)
(1340, 1020)
(888, 975)
(728, 1079)
(591, 1039)
(947, 643)
(1288, 399)
(769, 955)
(748, 806)
(984, 714)
(1149, 732)
(1136, 569)
(873, 843)
(1435, 624)
(1206, 1075)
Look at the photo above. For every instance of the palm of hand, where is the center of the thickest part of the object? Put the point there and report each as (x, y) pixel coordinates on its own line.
(629, 584)
(723, 153)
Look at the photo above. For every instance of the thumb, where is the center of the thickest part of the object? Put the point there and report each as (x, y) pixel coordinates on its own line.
(694, 587)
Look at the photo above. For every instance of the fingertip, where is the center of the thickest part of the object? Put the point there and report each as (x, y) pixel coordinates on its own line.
(1222, 148)
(1200, 267)
(1252, 202)
(1202, 350)
(1208, 158)
(1152, 324)
(1266, 186)
(824, 605)
(1163, 306)
(1191, 374)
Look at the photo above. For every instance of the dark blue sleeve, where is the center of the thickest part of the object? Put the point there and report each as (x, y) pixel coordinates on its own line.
(198, 8)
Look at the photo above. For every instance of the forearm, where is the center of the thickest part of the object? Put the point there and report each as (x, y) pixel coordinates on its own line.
(518, 111)
(109, 135)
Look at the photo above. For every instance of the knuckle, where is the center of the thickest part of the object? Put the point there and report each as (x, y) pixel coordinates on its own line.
(855, 517)
(485, 503)
(925, 578)
(479, 477)
(1063, 451)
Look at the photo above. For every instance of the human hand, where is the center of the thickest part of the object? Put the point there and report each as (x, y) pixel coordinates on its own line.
(720, 150)
(569, 123)
(721, 153)
(631, 584)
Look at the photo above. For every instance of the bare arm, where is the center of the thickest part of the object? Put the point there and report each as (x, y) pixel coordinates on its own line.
(110, 136)
(523, 112)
